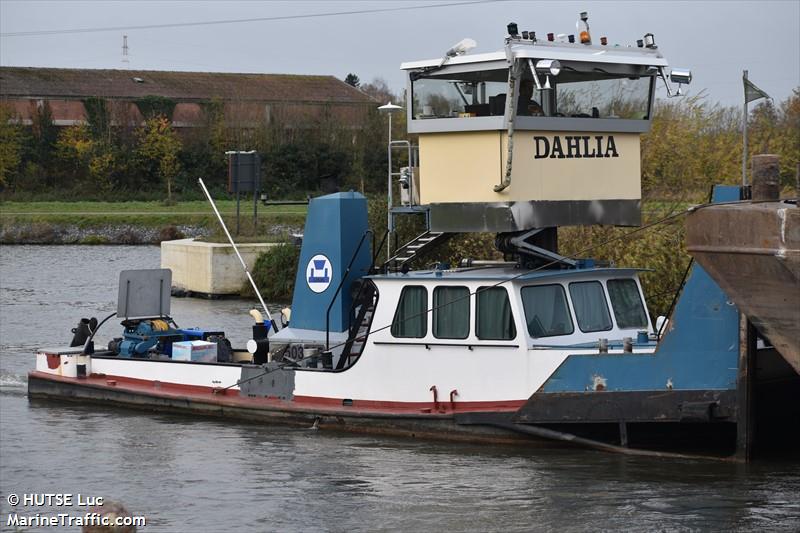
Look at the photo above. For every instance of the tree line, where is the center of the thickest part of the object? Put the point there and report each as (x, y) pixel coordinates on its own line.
(693, 144)
(109, 157)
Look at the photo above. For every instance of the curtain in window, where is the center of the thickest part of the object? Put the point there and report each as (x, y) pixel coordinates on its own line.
(494, 318)
(546, 310)
(451, 312)
(627, 303)
(590, 306)
(411, 317)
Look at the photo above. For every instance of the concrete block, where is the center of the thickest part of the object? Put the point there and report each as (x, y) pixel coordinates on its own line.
(209, 268)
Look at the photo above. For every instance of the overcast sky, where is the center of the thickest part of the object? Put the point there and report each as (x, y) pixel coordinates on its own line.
(716, 39)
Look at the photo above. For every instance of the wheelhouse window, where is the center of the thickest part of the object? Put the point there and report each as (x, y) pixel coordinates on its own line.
(493, 317)
(581, 89)
(627, 303)
(546, 311)
(580, 94)
(468, 94)
(589, 303)
(411, 315)
(450, 312)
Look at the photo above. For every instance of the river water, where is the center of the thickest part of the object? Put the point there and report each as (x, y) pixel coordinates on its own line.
(195, 475)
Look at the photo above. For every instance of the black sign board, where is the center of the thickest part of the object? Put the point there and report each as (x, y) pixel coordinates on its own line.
(244, 172)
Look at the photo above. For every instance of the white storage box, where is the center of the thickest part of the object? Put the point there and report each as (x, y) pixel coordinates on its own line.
(202, 351)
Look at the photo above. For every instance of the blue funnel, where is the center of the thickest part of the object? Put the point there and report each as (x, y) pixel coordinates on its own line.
(334, 227)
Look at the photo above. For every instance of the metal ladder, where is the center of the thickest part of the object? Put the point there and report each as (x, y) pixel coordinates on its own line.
(412, 155)
(364, 308)
(416, 247)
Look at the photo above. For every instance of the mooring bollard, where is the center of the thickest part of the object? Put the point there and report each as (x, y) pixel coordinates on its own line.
(766, 177)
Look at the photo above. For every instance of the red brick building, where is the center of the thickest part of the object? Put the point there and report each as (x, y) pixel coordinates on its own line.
(248, 100)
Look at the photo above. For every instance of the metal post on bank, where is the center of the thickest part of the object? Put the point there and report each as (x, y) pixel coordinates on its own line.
(244, 175)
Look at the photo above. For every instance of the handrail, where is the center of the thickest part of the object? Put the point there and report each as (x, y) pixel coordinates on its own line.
(378, 251)
(352, 332)
(393, 145)
(339, 288)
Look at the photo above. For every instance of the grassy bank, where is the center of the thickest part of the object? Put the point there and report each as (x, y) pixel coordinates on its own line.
(131, 222)
(152, 214)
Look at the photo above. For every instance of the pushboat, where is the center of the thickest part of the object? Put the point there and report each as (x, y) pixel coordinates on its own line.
(539, 347)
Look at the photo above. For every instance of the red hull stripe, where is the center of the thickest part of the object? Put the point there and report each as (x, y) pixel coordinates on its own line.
(299, 404)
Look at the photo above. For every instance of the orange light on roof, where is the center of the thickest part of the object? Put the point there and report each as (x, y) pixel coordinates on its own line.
(583, 28)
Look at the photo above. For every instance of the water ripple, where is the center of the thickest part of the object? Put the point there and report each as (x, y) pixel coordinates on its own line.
(211, 475)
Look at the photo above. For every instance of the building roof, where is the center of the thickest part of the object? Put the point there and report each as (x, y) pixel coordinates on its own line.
(32, 82)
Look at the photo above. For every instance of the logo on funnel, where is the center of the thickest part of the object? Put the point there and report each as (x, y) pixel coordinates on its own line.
(319, 273)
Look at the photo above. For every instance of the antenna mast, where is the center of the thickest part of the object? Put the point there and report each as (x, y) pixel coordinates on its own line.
(125, 60)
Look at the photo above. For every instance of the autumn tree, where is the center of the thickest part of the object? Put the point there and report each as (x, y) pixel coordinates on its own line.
(84, 160)
(158, 149)
(775, 129)
(73, 149)
(379, 90)
(10, 145)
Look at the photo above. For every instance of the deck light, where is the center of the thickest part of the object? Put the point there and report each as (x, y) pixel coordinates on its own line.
(513, 31)
(603, 41)
(461, 47)
(551, 37)
(390, 108)
(681, 75)
(650, 40)
(549, 66)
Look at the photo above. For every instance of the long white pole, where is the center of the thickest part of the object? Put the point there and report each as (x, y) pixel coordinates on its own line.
(235, 249)
(389, 212)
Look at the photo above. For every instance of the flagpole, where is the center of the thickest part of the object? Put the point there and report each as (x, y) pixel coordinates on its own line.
(744, 135)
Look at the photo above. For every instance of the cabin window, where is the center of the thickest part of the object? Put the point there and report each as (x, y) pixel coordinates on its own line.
(627, 303)
(450, 312)
(493, 317)
(411, 316)
(530, 100)
(589, 303)
(546, 311)
(586, 95)
(469, 94)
